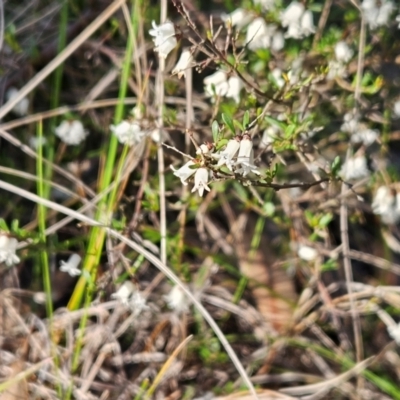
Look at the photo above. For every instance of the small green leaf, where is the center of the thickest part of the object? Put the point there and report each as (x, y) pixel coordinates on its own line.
(229, 123)
(335, 166)
(275, 122)
(325, 220)
(246, 119)
(215, 131)
(220, 144)
(238, 125)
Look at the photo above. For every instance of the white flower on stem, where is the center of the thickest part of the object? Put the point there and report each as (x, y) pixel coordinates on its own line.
(71, 132)
(226, 157)
(21, 108)
(307, 253)
(364, 135)
(219, 81)
(184, 172)
(35, 142)
(71, 266)
(350, 124)
(205, 148)
(259, 34)
(398, 20)
(355, 168)
(164, 38)
(177, 300)
(237, 18)
(185, 62)
(377, 14)
(245, 157)
(386, 204)
(8, 247)
(128, 132)
(269, 136)
(278, 41)
(124, 293)
(343, 52)
(298, 20)
(200, 180)
(235, 85)
(278, 77)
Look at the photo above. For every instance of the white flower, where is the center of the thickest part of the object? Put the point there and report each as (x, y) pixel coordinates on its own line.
(71, 266)
(278, 41)
(364, 135)
(394, 332)
(396, 108)
(343, 52)
(8, 247)
(177, 300)
(124, 293)
(185, 62)
(71, 132)
(245, 157)
(259, 34)
(204, 149)
(307, 253)
(298, 20)
(226, 156)
(350, 124)
(219, 81)
(355, 168)
(386, 203)
(184, 172)
(376, 14)
(21, 108)
(164, 38)
(238, 18)
(269, 136)
(398, 20)
(336, 68)
(200, 181)
(223, 86)
(277, 75)
(128, 132)
(235, 85)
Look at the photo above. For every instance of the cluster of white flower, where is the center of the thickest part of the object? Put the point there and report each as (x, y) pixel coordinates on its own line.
(130, 297)
(298, 20)
(307, 253)
(343, 54)
(377, 13)
(238, 157)
(71, 132)
(359, 132)
(220, 85)
(128, 132)
(21, 108)
(355, 167)
(177, 300)
(386, 203)
(71, 266)
(261, 35)
(164, 38)
(8, 247)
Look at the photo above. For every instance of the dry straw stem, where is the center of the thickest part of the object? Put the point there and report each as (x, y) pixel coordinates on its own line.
(57, 61)
(151, 258)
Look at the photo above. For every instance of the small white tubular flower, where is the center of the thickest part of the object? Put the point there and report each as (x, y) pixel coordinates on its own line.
(219, 81)
(386, 204)
(128, 132)
(184, 172)
(8, 247)
(71, 266)
(177, 300)
(259, 34)
(396, 109)
(204, 149)
(185, 62)
(307, 253)
(200, 181)
(71, 132)
(307, 23)
(245, 157)
(278, 41)
(350, 124)
(364, 135)
(269, 136)
(21, 108)
(164, 38)
(278, 77)
(226, 157)
(292, 14)
(355, 168)
(124, 293)
(235, 85)
(237, 18)
(343, 52)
